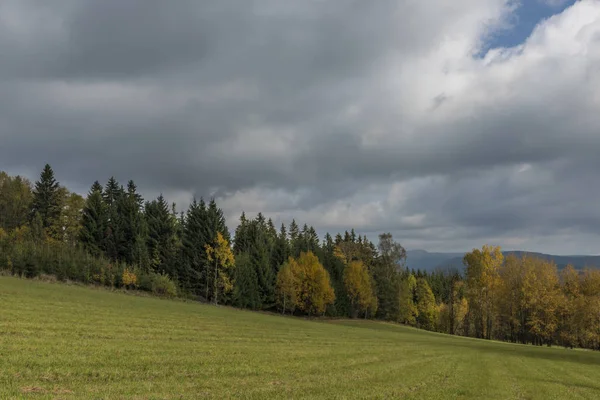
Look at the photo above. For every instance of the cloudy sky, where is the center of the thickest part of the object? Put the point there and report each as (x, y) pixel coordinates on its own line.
(448, 123)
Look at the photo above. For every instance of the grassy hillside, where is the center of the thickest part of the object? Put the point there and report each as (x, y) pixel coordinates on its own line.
(60, 341)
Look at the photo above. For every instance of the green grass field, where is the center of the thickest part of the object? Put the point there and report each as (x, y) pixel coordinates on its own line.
(59, 341)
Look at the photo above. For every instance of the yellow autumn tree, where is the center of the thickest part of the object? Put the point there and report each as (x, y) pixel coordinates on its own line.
(572, 303)
(359, 286)
(510, 299)
(482, 279)
(314, 291)
(407, 309)
(589, 312)
(221, 256)
(541, 298)
(426, 306)
(347, 251)
(286, 287)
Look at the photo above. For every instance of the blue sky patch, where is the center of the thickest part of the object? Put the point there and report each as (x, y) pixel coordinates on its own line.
(525, 18)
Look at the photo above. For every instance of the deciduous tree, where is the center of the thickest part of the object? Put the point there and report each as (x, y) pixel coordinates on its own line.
(221, 257)
(359, 286)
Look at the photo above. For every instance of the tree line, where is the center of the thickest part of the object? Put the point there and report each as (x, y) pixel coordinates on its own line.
(114, 237)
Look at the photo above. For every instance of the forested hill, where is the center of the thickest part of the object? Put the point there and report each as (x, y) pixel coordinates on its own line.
(429, 261)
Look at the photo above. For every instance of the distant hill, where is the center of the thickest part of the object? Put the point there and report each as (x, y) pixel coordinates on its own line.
(424, 260)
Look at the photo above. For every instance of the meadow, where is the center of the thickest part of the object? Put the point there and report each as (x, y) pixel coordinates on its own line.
(62, 341)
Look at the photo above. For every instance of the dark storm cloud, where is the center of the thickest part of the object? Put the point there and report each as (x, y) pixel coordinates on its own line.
(347, 113)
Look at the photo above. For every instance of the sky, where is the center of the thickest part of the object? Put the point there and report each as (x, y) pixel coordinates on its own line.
(448, 124)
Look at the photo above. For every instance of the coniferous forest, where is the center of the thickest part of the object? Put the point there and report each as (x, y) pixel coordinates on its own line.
(115, 238)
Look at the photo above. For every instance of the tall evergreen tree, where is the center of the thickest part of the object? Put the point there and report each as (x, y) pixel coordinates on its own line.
(294, 239)
(114, 242)
(161, 236)
(216, 222)
(312, 240)
(240, 243)
(132, 227)
(47, 202)
(280, 251)
(259, 252)
(246, 291)
(194, 241)
(93, 222)
(111, 192)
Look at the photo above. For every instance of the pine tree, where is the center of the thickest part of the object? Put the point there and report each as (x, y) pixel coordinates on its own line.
(338, 239)
(216, 222)
(294, 239)
(240, 243)
(114, 241)
(335, 268)
(259, 252)
(280, 251)
(47, 202)
(132, 227)
(93, 222)
(246, 292)
(271, 231)
(111, 192)
(161, 235)
(193, 241)
(313, 240)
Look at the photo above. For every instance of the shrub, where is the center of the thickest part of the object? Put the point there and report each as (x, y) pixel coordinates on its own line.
(129, 278)
(163, 286)
(144, 281)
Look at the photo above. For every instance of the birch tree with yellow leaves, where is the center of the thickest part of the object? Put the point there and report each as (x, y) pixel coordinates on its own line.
(221, 256)
(482, 279)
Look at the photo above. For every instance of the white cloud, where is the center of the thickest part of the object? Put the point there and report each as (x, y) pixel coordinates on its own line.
(372, 115)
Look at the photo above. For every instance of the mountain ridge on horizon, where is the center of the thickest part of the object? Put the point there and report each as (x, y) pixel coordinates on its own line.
(420, 259)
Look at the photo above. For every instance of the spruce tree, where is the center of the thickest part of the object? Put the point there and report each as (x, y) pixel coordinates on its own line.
(280, 251)
(216, 222)
(246, 291)
(132, 227)
(111, 192)
(93, 222)
(194, 240)
(240, 243)
(294, 232)
(161, 236)
(271, 231)
(114, 241)
(295, 240)
(312, 240)
(259, 253)
(47, 200)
